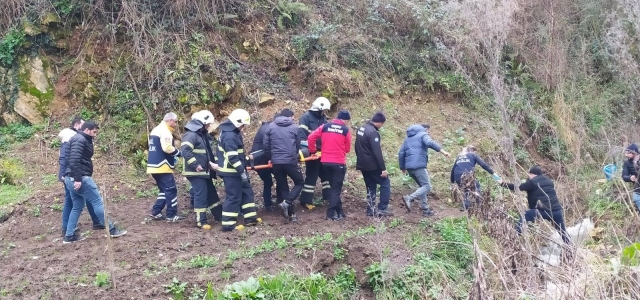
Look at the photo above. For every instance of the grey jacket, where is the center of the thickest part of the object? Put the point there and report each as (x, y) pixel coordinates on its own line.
(282, 142)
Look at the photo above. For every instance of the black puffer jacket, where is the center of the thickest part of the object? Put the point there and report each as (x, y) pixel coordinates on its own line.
(630, 169)
(79, 154)
(281, 142)
(541, 193)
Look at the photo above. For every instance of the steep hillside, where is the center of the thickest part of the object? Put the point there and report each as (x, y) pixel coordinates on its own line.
(527, 82)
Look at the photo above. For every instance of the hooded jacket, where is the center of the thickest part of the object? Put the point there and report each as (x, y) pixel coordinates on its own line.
(629, 168)
(231, 156)
(63, 161)
(368, 149)
(79, 155)
(196, 150)
(281, 142)
(309, 122)
(414, 153)
(161, 158)
(465, 163)
(541, 193)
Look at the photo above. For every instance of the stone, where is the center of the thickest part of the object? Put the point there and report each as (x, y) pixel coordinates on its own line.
(266, 99)
(11, 118)
(37, 75)
(27, 106)
(51, 19)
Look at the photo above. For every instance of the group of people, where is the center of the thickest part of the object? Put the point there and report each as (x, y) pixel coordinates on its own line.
(278, 149)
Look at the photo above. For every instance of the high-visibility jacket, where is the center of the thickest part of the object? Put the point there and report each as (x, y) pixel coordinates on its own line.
(231, 156)
(161, 158)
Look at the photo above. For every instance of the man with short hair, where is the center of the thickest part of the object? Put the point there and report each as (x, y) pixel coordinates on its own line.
(630, 171)
(161, 161)
(282, 145)
(65, 135)
(413, 159)
(336, 143)
(79, 182)
(371, 163)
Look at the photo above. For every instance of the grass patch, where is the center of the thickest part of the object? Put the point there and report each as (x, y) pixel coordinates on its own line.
(10, 194)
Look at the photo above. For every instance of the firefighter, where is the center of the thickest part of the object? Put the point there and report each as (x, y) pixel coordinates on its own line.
(232, 169)
(199, 166)
(309, 122)
(160, 164)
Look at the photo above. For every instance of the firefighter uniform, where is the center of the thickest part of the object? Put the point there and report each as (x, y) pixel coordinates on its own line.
(160, 164)
(239, 195)
(196, 150)
(309, 122)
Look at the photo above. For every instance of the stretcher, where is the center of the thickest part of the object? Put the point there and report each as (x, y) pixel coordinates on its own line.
(269, 165)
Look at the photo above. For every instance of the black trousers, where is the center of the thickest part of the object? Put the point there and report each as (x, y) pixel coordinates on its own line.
(292, 171)
(314, 169)
(267, 180)
(205, 197)
(239, 198)
(335, 174)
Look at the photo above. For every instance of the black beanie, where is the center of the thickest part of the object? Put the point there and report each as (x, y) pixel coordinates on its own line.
(378, 117)
(344, 115)
(286, 113)
(535, 170)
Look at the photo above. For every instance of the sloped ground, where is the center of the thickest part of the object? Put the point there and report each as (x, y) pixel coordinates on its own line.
(36, 265)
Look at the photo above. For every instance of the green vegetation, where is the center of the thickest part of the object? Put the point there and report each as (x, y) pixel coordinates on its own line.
(10, 45)
(102, 279)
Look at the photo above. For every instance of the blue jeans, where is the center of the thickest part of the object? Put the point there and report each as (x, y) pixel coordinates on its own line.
(66, 209)
(636, 199)
(421, 177)
(556, 217)
(371, 180)
(88, 193)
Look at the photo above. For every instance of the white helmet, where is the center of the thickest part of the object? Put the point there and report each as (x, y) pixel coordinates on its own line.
(203, 116)
(321, 104)
(240, 117)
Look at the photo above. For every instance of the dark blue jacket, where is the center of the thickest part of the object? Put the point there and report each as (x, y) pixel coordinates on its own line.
(79, 155)
(628, 170)
(308, 123)
(257, 149)
(281, 142)
(414, 153)
(231, 156)
(465, 163)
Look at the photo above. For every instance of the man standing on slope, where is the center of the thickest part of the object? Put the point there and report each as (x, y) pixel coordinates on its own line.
(336, 144)
(260, 158)
(630, 172)
(232, 169)
(282, 145)
(413, 158)
(371, 163)
(309, 122)
(160, 164)
(465, 163)
(199, 167)
(65, 135)
(79, 182)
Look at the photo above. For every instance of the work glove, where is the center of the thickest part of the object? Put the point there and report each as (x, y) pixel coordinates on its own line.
(175, 160)
(244, 177)
(496, 177)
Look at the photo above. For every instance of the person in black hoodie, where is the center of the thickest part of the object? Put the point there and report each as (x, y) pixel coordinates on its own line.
(80, 183)
(260, 158)
(543, 201)
(282, 145)
(630, 172)
(371, 163)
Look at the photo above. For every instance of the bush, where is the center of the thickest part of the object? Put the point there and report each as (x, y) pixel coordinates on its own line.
(11, 171)
(10, 44)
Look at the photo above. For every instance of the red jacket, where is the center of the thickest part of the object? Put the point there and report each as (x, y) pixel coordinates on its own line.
(336, 142)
